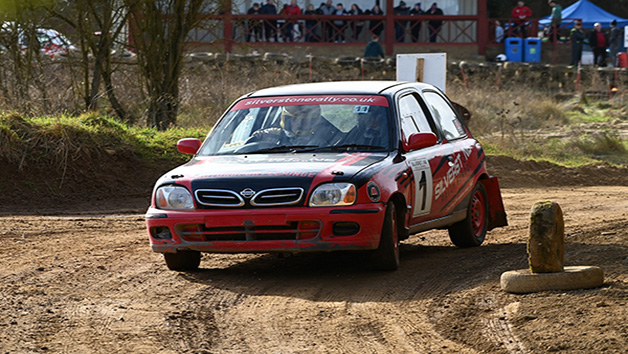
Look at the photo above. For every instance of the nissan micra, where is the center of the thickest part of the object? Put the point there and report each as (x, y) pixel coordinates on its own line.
(351, 166)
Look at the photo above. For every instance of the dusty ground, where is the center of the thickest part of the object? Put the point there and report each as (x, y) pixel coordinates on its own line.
(77, 276)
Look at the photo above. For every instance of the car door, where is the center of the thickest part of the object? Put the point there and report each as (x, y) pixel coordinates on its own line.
(423, 162)
(455, 174)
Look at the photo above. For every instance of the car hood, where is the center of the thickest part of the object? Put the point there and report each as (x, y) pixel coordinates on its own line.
(270, 171)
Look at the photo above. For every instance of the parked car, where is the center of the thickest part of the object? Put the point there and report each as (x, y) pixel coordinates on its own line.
(330, 166)
(50, 41)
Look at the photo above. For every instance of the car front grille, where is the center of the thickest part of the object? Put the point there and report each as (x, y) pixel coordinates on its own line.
(219, 198)
(264, 198)
(292, 231)
(277, 196)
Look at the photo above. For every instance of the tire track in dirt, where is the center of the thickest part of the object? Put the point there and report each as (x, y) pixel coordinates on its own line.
(92, 285)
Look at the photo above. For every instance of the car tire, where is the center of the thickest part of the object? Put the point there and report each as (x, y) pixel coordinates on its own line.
(386, 256)
(471, 231)
(183, 260)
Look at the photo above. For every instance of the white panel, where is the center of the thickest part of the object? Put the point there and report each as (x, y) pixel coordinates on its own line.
(434, 68)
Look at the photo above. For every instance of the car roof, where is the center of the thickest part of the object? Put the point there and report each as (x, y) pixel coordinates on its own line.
(336, 88)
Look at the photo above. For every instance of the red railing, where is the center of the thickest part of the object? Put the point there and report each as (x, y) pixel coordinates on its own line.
(319, 29)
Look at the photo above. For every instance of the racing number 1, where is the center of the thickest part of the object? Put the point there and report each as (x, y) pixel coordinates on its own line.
(423, 189)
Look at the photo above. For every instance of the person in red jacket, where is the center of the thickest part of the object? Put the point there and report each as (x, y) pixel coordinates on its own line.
(520, 13)
(291, 10)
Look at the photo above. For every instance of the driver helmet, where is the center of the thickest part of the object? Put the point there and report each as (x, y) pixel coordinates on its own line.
(300, 120)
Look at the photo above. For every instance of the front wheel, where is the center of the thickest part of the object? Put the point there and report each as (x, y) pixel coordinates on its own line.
(183, 260)
(386, 256)
(471, 231)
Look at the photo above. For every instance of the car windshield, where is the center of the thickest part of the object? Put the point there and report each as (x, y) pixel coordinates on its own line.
(302, 124)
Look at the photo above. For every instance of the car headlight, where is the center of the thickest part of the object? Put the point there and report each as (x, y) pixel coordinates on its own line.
(333, 194)
(174, 198)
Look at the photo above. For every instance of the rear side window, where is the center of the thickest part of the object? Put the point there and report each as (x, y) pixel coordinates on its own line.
(413, 119)
(444, 116)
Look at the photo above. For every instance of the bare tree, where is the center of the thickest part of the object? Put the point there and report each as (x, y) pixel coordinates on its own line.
(98, 25)
(22, 78)
(159, 30)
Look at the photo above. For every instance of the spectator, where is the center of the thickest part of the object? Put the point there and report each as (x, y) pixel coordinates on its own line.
(435, 25)
(270, 26)
(400, 25)
(376, 26)
(499, 32)
(598, 42)
(615, 40)
(373, 48)
(340, 24)
(415, 28)
(254, 26)
(291, 10)
(557, 18)
(577, 37)
(359, 24)
(520, 13)
(311, 26)
(327, 9)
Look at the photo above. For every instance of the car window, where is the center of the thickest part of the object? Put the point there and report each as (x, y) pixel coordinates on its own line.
(279, 124)
(444, 115)
(413, 119)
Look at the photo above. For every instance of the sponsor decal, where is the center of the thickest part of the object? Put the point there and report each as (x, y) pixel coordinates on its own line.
(372, 189)
(454, 171)
(450, 177)
(306, 100)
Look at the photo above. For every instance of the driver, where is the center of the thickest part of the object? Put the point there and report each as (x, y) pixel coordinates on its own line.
(300, 125)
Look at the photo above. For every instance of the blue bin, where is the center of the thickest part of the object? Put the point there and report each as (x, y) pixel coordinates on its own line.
(514, 49)
(532, 50)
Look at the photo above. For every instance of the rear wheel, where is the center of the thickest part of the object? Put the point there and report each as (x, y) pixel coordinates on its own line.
(471, 231)
(183, 260)
(386, 256)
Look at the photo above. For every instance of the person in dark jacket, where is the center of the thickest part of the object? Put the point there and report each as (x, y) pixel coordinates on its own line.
(270, 26)
(327, 9)
(415, 26)
(340, 24)
(435, 25)
(311, 26)
(254, 26)
(400, 25)
(598, 40)
(376, 26)
(615, 42)
(373, 48)
(358, 25)
(577, 37)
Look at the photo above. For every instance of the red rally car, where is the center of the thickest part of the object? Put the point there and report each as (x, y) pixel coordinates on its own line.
(327, 167)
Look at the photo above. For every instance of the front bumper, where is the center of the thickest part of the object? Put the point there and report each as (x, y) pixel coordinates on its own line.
(297, 229)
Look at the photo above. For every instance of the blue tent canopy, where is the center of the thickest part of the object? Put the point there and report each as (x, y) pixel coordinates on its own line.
(589, 13)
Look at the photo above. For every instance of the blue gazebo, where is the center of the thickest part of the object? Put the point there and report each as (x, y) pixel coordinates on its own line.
(589, 13)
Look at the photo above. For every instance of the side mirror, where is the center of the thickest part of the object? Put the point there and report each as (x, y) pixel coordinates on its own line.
(464, 112)
(420, 140)
(189, 145)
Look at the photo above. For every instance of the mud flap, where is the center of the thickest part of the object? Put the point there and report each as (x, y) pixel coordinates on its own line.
(497, 213)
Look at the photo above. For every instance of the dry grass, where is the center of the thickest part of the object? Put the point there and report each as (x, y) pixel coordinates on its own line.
(518, 119)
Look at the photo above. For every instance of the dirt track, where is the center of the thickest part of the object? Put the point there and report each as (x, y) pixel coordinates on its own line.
(91, 284)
